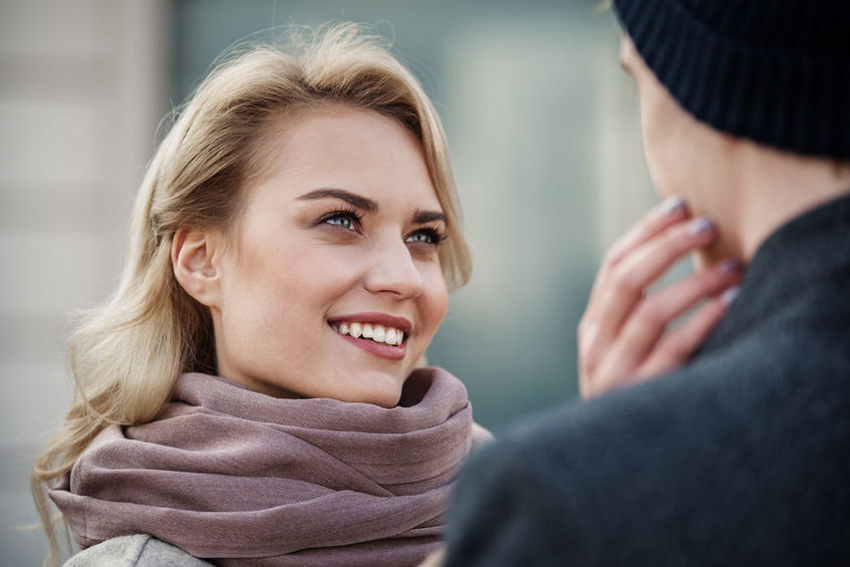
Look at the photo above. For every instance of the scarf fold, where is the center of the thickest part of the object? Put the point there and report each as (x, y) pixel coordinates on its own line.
(241, 478)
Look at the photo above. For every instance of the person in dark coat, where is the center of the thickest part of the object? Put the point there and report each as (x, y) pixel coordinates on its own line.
(740, 456)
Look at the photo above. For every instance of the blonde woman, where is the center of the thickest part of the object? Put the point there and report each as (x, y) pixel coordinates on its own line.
(251, 395)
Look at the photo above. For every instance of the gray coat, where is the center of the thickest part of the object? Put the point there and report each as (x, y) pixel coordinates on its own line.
(740, 458)
(134, 551)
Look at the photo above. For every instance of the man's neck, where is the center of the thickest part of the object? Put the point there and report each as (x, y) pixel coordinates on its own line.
(768, 189)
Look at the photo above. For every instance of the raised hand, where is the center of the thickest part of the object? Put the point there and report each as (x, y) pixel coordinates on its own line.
(623, 336)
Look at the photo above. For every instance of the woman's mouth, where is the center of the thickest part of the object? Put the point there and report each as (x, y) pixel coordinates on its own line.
(378, 333)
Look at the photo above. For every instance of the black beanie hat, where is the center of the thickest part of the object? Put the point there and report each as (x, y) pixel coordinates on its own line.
(774, 71)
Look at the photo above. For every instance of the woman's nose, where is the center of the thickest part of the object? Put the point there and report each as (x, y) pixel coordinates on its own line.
(394, 271)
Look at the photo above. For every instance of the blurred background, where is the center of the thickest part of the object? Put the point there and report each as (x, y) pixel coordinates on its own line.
(541, 122)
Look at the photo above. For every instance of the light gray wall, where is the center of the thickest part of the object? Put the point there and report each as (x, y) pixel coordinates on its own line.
(82, 87)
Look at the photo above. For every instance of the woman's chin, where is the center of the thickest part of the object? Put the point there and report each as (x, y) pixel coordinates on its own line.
(375, 388)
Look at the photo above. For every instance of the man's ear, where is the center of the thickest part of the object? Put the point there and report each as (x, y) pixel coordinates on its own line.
(195, 264)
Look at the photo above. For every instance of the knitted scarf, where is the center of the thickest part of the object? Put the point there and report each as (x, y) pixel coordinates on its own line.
(241, 478)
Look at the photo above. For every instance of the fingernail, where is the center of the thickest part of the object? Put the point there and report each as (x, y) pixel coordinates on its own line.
(673, 205)
(728, 266)
(730, 295)
(699, 226)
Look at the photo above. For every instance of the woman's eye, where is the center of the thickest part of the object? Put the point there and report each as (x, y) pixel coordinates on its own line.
(429, 236)
(345, 221)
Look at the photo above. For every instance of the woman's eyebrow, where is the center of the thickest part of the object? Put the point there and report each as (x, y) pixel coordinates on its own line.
(422, 217)
(362, 203)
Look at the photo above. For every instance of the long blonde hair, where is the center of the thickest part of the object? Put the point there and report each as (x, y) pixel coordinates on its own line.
(127, 354)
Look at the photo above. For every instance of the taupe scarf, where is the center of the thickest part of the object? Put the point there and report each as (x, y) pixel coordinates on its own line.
(241, 478)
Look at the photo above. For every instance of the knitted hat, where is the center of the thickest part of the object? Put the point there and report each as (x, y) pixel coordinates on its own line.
(774, 71)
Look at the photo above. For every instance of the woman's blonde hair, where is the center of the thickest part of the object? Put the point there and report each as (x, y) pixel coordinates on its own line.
(127, 354)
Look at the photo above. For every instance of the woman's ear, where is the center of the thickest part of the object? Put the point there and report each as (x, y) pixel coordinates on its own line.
(193, 260)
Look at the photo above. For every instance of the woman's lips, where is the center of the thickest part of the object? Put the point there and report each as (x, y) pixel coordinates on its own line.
(379, 349)
(377, 333)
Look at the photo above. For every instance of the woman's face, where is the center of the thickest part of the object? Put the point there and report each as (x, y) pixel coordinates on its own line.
(337, 241)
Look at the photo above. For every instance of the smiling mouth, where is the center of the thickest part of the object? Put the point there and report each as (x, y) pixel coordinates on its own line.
(389, 336)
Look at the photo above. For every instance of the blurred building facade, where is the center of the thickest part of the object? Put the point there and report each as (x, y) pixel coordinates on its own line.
(82, 87)
(541, 122)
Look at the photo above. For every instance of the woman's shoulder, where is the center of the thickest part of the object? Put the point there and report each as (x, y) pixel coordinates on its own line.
(480, 436)
(140, 550)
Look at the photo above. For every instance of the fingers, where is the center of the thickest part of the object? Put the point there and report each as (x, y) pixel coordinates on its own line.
(678, 346)
(643, 350)
(617, 290)
(645, 347)
(651, 318)
(623, 336)
(669, 212)
(623, 287)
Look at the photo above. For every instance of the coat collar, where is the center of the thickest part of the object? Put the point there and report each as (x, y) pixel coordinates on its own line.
(790, 267)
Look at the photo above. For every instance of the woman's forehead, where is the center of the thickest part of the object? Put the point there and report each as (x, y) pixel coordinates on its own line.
(355, 150)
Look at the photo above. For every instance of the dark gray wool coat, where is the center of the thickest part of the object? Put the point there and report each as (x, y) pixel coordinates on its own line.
(740, 458)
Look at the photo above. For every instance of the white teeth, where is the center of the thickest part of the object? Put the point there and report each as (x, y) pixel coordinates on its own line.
(378, 333)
